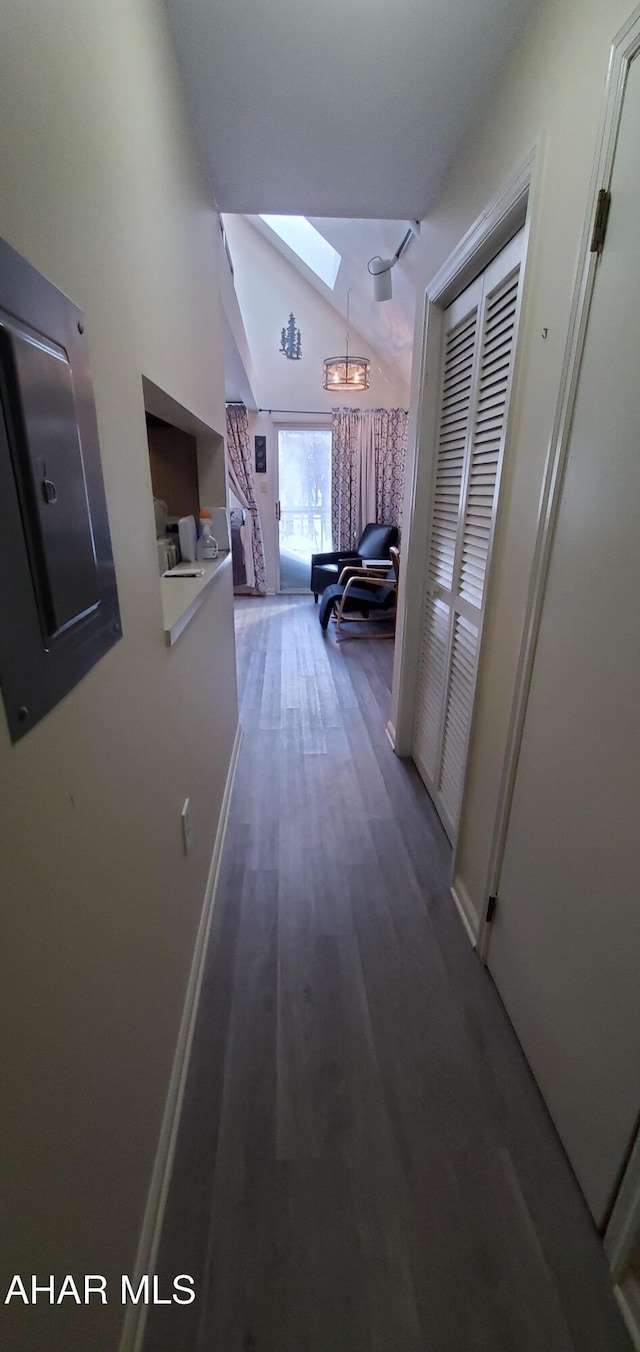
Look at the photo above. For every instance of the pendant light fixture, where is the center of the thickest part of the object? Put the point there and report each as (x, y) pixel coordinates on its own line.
(346, 373)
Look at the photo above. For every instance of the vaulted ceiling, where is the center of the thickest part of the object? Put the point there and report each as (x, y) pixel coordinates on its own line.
(386, 327)
(344, 111)
(337, 107)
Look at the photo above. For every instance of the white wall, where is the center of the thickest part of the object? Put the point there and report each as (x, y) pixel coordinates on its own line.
(240, 377)
(551, 93)
(100, 189)
(269, 288)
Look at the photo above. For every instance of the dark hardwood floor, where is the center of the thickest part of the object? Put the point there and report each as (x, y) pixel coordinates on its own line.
(364, 1161)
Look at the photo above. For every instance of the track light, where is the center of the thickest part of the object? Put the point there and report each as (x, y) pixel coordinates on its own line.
(380, 268)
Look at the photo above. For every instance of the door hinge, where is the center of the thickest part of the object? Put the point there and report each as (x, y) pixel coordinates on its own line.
(600, 222)
(491, 909)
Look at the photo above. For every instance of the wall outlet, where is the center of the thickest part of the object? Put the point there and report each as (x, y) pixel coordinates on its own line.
(187, 826)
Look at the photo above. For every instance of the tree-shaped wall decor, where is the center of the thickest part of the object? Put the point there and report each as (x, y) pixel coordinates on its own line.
(291, 341)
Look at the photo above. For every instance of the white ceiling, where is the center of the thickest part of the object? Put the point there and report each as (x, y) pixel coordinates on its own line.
(387, 327)
(341, 108)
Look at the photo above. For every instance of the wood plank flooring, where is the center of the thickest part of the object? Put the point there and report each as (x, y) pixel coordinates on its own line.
(364, 1161)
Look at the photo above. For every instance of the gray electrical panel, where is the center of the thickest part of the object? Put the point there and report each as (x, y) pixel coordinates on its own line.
(58, 603)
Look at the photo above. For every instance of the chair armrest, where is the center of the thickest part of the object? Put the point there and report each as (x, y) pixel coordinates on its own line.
(332, 556)
(387, 583)
(348, 559)
(350, 570)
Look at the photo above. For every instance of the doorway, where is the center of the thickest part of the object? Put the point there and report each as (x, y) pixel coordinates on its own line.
(303, 508)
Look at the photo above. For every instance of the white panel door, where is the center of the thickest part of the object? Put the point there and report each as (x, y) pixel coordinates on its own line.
(565, 944)
(479, 335)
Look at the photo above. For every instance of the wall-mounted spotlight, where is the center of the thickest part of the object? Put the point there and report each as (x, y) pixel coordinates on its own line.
(380, 268)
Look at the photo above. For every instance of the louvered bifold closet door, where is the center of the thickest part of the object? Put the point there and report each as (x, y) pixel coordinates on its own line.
(459, 364)
(478, 351)
(487, 439)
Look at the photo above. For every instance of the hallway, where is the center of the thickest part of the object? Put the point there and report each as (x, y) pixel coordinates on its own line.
(364, 1162)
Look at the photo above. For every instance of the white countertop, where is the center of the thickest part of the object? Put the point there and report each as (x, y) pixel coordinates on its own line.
(183, 596)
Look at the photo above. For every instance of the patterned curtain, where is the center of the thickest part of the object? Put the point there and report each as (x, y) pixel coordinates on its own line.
(368, 458)
(345, 477)
(390, 447)
(240, 470)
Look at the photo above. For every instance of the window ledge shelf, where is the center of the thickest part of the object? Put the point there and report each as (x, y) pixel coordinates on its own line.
(183, 596)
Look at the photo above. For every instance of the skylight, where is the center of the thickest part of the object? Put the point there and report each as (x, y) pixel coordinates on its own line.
(307, 242)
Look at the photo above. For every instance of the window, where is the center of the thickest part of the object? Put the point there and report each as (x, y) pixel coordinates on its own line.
(304, 479)
(309, 245)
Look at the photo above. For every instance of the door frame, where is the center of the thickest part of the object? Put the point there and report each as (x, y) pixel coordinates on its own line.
(503, 217)
(625, 46)
(621, 1234)
(293, 425)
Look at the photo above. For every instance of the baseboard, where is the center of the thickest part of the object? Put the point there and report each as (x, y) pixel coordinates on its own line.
(391, 733)
(465, 910)
(133, 1329)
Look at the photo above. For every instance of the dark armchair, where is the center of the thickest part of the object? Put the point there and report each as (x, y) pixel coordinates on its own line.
(374, 543)
(360, 590)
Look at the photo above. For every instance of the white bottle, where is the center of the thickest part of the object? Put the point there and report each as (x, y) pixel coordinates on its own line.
(207, 543)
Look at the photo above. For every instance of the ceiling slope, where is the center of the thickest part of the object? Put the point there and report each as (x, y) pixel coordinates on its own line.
(345, 108)
(388, 327)
(269, 286)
